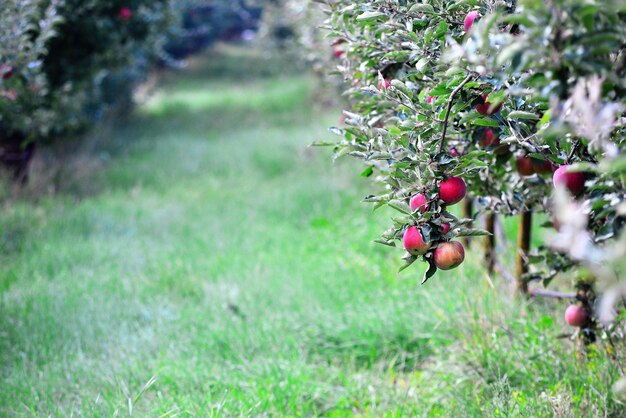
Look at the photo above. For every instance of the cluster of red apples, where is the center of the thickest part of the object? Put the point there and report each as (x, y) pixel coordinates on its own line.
(446, 254)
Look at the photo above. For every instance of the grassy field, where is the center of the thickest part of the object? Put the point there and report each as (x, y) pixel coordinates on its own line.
(219, 267)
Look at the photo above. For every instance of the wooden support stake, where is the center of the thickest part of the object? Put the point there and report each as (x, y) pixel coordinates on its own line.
(468, 212)
(490, 242)
(523, 248)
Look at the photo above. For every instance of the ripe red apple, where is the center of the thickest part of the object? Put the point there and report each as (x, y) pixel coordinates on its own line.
(413, 241)
(486, 108)
(419, 201)
(489, 139)
(525, 166)
(449, 255)
(469, 20)
(446, 228)
(387, 84)
(338, 53)
(542, 166)
(6, 71)
(454, 152)
(430, 99)
(452, 190)
(576, 316)
(125, 13)
(574, 182)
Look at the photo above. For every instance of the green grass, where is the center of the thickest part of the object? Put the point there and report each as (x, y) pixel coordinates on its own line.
(219, 267)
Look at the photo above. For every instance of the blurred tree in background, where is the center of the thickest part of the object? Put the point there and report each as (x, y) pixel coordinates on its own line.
(68, 64)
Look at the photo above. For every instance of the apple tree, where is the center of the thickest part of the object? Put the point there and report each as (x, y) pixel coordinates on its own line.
(508, 102)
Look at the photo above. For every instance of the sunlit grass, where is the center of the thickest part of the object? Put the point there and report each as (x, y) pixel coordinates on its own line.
(223, 268)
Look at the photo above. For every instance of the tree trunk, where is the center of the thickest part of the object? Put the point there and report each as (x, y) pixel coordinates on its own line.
(523, 248)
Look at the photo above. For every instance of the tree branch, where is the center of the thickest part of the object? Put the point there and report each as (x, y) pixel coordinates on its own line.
(551, 294)
(458, 88)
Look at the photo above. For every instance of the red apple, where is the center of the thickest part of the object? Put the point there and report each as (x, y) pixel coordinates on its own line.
(6, 71)
(419, 201)
(576, 316)
(125, 13)
(489, 139)
(338, 53)
(452, 190)
(454, 152)
(487, 108)
(469, 20)
(387, 84)
(413, 241)
(449, 255)
(525, 166)
(574, 182)
(542, 166)
(430, 99)
(446, 228)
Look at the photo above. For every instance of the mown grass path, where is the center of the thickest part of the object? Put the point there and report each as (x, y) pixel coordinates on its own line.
(221, 267)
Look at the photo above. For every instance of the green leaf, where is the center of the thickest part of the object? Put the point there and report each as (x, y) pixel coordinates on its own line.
(369, 16)
(432, 269)
(520, 114)
(400, 206)
(407, 262)
(473, 233)
(484, 122)
(422, 8)
(367, 172)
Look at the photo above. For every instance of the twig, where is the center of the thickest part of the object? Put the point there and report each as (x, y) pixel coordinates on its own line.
(458, 88)
(504, 273)
(573, 151)
(411, 108)
(551, 294)
(533, 292)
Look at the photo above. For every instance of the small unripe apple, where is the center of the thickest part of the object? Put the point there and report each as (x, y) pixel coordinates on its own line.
(125, 13)
(419, 201)
(449, 255)
(387, 83)
(469, 20)
(574, 182)
(414, 242)
(452, 190)
(487, 108)
(576, 316)
(525, 166)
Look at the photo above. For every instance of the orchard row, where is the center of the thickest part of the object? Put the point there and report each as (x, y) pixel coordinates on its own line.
(65, 66)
